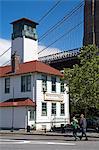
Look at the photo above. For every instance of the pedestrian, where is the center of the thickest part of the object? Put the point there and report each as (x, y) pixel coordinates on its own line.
(83, 125)
(75, 125)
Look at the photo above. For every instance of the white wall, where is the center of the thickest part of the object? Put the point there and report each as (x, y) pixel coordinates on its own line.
(37, 94)
(26, 48)
(30, 50)
(15, 82)
(41, 120)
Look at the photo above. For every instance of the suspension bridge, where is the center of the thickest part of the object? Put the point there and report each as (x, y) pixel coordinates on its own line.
(82, 30)
(60, 45)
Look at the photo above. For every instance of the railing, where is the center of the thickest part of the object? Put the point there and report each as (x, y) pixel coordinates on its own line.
(61, 55)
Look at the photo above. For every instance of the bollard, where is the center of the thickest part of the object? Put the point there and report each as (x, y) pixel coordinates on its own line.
(44, 130)
(28, 128)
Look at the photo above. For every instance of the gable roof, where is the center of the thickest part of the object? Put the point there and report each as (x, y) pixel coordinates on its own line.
(24, 19)
(30, 67)
(17, 102)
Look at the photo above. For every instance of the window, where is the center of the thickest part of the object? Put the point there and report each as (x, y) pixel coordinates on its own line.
(53, 108)
(25, 83)
(61, 86)
(44, 83)
(7, 85)
(44, 109)
(32, 115)
(53, 79)
(25, 27)
(62, 109)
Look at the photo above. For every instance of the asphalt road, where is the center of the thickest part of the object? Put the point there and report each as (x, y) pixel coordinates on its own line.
(38, 142)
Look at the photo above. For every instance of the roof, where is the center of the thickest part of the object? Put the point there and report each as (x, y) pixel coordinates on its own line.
(17, 102)
(24, 19)
(30, 67)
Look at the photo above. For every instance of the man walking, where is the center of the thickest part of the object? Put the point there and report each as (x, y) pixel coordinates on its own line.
(83, 125)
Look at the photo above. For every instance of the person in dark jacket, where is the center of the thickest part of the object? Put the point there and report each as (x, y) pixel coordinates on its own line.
(83, 125)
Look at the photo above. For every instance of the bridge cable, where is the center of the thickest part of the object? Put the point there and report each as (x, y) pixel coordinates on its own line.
(61, 21)
(6, 62)
(49, 11)
(61, 37)
(46, 14)
(5, 52)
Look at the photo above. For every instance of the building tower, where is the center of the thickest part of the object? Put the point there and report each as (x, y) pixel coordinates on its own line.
(25, 40)
(91, 22)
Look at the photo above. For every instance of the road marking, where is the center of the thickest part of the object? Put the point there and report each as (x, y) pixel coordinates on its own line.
(51, 143)
(9, 141)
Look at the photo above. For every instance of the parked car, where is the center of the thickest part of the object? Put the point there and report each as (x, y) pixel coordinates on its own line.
(63, 128)
(93, 123)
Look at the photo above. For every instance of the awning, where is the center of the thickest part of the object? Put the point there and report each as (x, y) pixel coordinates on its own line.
(17, 102)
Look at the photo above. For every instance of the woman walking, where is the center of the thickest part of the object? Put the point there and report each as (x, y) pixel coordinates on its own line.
(75, 125)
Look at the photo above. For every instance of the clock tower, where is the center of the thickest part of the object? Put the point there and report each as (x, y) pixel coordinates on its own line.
(25, 40)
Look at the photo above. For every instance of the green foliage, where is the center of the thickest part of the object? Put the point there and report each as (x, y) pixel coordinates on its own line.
(83, 79)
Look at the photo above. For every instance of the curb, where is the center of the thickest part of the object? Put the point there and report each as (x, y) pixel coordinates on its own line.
(45, 134)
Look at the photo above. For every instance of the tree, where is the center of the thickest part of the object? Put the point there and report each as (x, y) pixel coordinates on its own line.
(83, 80)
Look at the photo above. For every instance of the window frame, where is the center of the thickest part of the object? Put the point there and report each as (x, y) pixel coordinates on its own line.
(62, 108)
(62, 86)
(44, 108)
(26, 83)
(53, 109)
(44, 82)
(53, 81)
(7, 85)
(32, 115)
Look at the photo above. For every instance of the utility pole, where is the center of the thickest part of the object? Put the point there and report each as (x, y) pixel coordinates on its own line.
(12, 128)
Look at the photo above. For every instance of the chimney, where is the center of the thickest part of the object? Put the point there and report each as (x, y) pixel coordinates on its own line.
(15, 62)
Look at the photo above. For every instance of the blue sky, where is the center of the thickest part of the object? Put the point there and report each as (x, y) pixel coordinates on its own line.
(12, 10)
(34, 9)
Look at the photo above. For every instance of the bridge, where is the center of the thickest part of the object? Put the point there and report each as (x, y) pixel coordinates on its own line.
(60, 44)
(83, 30)
(62, 60)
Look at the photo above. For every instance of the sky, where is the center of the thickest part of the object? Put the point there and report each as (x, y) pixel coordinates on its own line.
(12, 10)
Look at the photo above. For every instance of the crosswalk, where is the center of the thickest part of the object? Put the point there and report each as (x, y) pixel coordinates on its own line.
(10, 141)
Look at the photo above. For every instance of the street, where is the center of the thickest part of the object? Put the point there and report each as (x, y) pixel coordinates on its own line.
(38, 142)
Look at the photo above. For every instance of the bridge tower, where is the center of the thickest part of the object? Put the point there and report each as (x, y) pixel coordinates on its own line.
(91, 22)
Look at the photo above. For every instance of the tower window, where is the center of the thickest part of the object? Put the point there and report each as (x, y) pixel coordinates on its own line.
(25, 27)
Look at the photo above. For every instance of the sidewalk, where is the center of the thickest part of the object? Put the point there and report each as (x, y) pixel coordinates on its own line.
(33, 132)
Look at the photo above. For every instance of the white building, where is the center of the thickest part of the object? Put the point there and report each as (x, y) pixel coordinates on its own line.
(31, 92)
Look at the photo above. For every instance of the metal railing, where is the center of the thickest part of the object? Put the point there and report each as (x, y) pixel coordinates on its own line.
(60, 55)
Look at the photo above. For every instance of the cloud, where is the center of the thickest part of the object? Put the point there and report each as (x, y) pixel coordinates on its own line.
(6, 44)
(47, 51)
